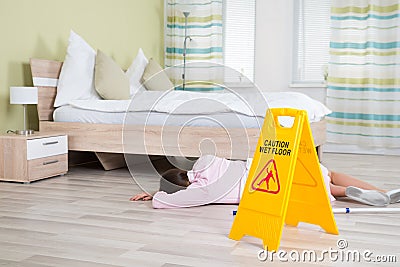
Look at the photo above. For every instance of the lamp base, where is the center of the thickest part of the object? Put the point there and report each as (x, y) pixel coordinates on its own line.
(24, 132)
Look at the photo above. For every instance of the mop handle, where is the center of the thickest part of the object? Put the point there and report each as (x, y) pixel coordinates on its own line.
(365, 210)
(356, 210)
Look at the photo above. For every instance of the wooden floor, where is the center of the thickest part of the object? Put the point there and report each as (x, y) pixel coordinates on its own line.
(85, 219)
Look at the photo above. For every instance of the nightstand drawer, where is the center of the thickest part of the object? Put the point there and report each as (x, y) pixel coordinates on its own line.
(47, 167)
(46, 147)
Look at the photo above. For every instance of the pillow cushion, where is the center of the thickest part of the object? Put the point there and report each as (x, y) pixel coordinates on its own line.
(111, 83)
(135, 72)
(155, 79)
(76, 76)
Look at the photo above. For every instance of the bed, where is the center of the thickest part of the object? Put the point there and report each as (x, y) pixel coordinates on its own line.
(107, 139)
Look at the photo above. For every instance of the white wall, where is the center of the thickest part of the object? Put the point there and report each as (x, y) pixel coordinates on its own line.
(274, 41)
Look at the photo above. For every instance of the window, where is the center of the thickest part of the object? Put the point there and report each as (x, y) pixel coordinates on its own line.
(239, 39)
(311, 40)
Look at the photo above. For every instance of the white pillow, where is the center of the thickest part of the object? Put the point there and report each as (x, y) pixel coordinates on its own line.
(76, 76)
(135, 72)
(320, 110)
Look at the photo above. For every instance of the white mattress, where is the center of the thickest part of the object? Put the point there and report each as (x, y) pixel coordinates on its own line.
(72, 114)
(228, 120)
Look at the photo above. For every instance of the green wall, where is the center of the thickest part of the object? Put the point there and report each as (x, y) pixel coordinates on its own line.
(40, 29)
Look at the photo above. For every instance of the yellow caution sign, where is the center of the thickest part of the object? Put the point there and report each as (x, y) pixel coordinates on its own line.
(284, 184)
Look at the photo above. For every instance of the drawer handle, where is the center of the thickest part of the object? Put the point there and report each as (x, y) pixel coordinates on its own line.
(50, 162)
(50, 143)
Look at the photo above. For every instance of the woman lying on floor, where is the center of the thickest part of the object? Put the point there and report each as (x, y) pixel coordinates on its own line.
(218, 180)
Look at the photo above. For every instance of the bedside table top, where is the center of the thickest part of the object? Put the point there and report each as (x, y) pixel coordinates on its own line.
(36, 135)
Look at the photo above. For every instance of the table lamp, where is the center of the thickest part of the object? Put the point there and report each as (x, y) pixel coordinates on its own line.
(24, 96)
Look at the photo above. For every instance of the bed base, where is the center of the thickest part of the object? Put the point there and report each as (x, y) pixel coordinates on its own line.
(107, 140)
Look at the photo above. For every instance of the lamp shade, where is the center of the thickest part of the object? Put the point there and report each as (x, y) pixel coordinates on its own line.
(186, 7)
(23, 95)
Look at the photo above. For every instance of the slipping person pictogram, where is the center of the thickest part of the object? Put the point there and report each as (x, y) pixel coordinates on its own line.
(271, 171)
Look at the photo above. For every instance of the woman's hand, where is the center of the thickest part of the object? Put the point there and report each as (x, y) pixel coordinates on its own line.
(141, 196)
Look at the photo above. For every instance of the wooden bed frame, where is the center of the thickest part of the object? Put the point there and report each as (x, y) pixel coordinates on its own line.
(106, 140)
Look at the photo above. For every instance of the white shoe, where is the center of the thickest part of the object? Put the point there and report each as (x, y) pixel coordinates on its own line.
(369, 197)
(394, 195)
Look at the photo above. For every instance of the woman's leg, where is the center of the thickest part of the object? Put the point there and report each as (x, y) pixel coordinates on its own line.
(345, 180)
(337, 190)
(346, 185)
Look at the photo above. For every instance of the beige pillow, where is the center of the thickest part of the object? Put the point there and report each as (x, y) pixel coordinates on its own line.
(160, 80)
(110, 81)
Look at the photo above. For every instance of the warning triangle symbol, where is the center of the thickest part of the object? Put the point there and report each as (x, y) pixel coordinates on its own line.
(267, 180)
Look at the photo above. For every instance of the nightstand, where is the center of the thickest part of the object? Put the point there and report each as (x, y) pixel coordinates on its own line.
(33, 157)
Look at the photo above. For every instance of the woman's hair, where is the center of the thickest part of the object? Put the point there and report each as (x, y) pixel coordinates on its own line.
(174, 180)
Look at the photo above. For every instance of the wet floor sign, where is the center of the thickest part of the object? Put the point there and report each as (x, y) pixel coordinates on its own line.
(285, 183)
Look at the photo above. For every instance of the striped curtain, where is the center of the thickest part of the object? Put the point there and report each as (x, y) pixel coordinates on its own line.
(204, 57)
(364, 82)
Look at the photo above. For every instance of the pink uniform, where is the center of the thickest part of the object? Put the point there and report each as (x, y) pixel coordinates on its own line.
(212, 180)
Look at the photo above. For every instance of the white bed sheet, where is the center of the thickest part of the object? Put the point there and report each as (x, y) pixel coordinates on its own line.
(174, 102)
(190, 109)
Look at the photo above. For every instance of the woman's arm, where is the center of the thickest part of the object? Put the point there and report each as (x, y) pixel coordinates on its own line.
(184, 198)
(141, 196)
